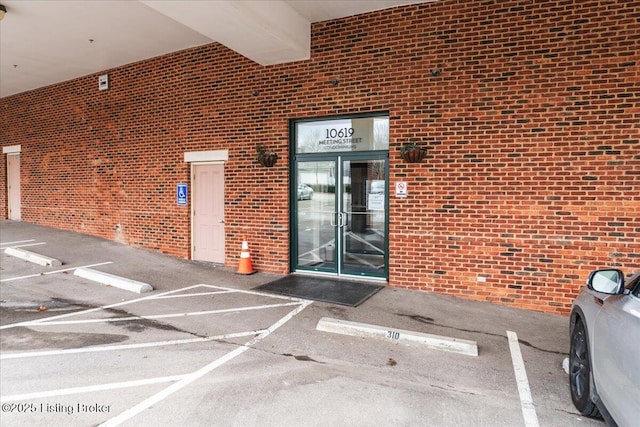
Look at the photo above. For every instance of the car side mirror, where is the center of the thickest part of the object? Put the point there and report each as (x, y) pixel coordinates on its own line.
(607, 281)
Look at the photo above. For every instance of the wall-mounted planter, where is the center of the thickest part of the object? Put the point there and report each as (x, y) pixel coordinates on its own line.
(266, 158)
(412, 153)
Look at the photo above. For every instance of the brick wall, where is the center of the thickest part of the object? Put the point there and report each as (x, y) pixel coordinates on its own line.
(532, 126)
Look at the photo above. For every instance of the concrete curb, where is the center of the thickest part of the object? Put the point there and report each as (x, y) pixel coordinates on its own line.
(113, 280)
(33, 257)
(436, 342)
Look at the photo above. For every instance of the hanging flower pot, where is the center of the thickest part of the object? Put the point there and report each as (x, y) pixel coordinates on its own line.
(412, 152)
(266, 158)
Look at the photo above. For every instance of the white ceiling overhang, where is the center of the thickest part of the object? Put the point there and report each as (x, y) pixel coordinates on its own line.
(47, 42)
(268, 32)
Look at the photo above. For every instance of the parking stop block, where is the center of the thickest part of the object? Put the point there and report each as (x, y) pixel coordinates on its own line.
(435, 342)
(33, 257)
(113, 280)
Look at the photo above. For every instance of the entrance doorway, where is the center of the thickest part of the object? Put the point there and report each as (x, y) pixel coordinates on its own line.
(340, 214)
(208, 212)
(339, 194)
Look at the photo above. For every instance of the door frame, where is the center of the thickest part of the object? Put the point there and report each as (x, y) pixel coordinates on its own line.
(14, 204)
(196, 158)
(318, 156)
(338, 158)
(364, 156)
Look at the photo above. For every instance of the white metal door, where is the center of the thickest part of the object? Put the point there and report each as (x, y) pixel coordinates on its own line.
(13, 186)
(208, 212)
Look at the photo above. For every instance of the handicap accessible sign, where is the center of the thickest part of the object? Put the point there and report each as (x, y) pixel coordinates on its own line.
(182, 194)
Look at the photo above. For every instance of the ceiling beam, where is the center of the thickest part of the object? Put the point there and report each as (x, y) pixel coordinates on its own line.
(266, 32)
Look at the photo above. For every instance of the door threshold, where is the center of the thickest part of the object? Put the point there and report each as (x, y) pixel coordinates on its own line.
(349, 277)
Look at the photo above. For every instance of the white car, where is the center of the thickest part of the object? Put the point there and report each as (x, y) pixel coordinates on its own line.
(305, 192)
(604, 357)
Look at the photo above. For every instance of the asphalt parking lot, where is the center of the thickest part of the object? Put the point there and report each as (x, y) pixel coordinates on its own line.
(204, 349)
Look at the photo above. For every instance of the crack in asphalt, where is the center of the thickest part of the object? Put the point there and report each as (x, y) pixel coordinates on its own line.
(431, 321)
(140, 323)
(569, 412)
(302, 358)
(453, 389)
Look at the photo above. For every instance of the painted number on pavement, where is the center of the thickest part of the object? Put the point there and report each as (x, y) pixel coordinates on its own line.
(393, 335)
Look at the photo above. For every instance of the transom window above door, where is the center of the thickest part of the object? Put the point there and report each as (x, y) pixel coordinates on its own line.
(342, 135)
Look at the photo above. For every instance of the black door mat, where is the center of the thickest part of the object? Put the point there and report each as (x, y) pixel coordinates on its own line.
(343, 292)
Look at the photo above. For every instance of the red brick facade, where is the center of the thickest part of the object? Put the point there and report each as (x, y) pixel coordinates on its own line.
(531, 117)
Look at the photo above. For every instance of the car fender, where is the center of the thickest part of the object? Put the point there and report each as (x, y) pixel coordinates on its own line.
(577, 313)
(616, 356)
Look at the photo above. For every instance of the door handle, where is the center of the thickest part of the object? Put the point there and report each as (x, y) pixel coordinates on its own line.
(342, 216)
(338, 219)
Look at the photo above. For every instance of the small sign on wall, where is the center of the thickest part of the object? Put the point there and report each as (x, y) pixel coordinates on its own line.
(401, 189)
(103, 82)
(182, 194)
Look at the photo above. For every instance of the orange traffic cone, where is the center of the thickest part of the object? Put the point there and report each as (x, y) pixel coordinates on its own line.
(245, 266)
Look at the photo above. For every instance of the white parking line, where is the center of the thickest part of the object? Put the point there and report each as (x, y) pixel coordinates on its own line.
(158, 316)
(91, 310)
(197, 294)
(179, 381)
(526, 401)
(120, 304)
(263, 294)
(17, 241)
(127, 346)
(11, 279)
(25, 245)
(145, 404)
(90, 389)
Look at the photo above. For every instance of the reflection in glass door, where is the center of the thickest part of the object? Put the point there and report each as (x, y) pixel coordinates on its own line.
(363, 226)
(341, 215)
(316, 215)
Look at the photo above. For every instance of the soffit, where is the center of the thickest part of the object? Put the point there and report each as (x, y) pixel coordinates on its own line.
(47, 42)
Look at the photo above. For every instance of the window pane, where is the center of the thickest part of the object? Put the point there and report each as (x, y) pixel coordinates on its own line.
(327, 136)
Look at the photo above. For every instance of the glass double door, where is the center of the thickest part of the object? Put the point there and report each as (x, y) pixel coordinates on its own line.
(340, 214)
